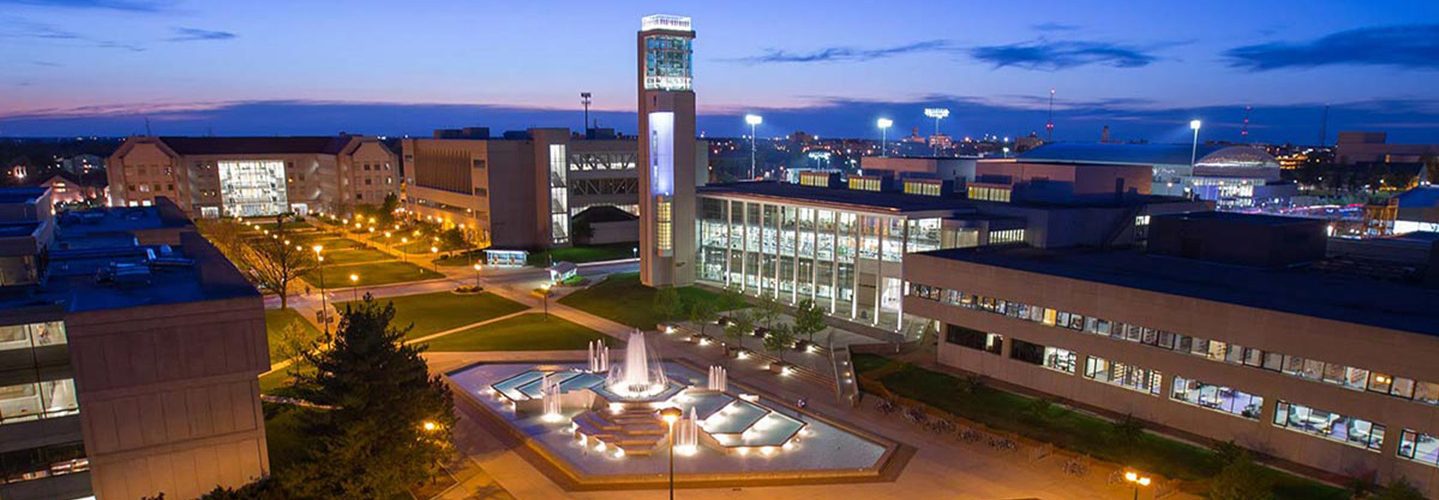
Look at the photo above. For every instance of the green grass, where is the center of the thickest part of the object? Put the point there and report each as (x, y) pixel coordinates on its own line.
(461, 259)
(1068, 429)
(526, 332)
(579, 254)
(283, 436)
(437, 312)
(275, 322)
(354, 256)
(623, 299)
(337, 244)
(376, 273)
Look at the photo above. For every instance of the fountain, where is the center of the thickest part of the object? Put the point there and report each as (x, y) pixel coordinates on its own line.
(599, 357)
(718, 379)
(550, 397)
(687, 434)
(639, 376)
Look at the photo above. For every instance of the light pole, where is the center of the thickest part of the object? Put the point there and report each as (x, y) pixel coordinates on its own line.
(545, 297)
(434, 258)
(355, 287)
(477, 276)
(670, 415)
(324, 308)
(1137, 480)
(938, 114)
(1194, 150)
(404, 242)
(753, 121)
(585, 100)
(884, 124)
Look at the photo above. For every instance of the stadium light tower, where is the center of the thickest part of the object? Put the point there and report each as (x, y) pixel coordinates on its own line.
(585, 100)
(884, 124)
(753, 121)
(938, 114)
(1194, 150)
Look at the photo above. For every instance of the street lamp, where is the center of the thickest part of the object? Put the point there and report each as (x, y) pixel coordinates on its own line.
(477, 275)
(355, 287)
(324, 309)
(670, 415)
(404, 242)
(1194, 150)
(545, 296)
(1137, 480)
(434, 258)
(753, 121)
(884, 124)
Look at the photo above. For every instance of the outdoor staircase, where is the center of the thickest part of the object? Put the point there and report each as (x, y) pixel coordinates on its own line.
(636, 430)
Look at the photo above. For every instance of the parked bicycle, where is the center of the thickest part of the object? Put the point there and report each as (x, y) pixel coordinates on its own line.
(885, 406)
(969, 435)
(915, 415)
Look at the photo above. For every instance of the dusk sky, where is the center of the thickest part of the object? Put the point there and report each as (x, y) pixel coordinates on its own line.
(99, 67)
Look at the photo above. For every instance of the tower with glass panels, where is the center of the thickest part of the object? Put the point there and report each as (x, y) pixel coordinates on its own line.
(666, 151)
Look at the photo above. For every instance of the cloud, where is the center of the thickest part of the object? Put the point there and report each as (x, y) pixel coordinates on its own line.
(1052, 26)
(1047, 55)
(13, 27)
(845, 54)
(122, 5)
(1409, 47)
(196, 35)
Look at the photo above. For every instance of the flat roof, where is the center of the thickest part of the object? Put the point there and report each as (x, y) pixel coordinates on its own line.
(1246, 218)
(26, 194)
(898, 202)
(1303, 290)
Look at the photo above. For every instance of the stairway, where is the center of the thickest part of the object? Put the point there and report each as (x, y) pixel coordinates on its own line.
(636, 430)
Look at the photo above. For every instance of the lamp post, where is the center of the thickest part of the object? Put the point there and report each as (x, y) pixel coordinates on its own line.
(1137, 480)
(477, 276)
(753, 121)
(404, 241)
(1194, 150)
(434, 258)
(324, 308)
(355, 287)
(670, 415)
(938, 114)
(545, 297)
(884, 124)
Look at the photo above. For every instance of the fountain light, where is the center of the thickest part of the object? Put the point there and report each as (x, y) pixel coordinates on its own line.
(742, 450)
(617, 407)
(552, 417)
(687, 450)
(619, 452)
(600, 446)
(766, 450)
(788, 445)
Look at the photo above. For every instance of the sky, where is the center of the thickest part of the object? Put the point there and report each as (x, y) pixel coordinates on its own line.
(282, 67)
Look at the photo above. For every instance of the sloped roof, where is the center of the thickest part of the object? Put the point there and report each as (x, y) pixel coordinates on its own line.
(603, 213)
(256, 145)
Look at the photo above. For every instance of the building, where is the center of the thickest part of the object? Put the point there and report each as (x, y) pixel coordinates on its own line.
(253, 176)
(1229, 327)
(667, 146)
(1231, 176)
(845, 248)
(603, 225)
(1418, 210)
(940, 167)
(1372, 147)
(129, 355)
(82, 164)
(76, 189)
(541, 178)
(1038, 181)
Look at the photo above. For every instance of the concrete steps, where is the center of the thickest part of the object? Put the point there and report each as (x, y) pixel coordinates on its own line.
(637, 431)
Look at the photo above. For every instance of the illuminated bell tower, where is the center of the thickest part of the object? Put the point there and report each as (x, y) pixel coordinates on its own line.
(666, 151)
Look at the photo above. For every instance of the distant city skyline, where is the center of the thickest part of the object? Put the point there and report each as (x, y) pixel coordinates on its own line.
(101, 67)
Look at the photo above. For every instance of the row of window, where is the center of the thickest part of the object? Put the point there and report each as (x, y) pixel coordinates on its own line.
(989, 193)
(32, 335)
(1292, 416)
(1358, 379)
(37, 400)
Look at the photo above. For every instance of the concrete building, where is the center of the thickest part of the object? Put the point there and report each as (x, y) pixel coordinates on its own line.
(667, 148)
(251, 176)
(958, 169)
(845, 248)
(1418, 210)
(520, 192)
(1373, 147)
(68, 189)
(129, 355)
(1231, 176)
(1230, 327)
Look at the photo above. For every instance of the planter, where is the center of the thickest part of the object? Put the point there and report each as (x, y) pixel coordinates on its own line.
(468, 290)
(802, 345)
(778, 367)
(760, 332)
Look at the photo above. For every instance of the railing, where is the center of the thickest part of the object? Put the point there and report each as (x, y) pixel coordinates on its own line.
(846, 385)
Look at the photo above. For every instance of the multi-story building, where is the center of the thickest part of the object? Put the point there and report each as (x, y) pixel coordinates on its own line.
(1229, 175)
(845, 248)
(1229, 327)
(251, 176)
(520, 191)
(129, 351)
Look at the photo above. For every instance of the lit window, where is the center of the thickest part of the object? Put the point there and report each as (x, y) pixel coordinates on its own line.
(1332, 426)
(1218, 398)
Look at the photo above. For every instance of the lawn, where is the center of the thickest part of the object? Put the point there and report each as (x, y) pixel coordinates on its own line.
(526, 332)
(1067, 429)
(437, 312)
(461, 259)
(583, 254)
(354, 256)
(337, 243)
(275, 322)
(623, 299)
(376, 273)
(282, 435)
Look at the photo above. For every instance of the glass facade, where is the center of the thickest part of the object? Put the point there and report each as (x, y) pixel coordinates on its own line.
(37, 400)
(251, 188)
(667, 62)
(559, 196)
(1121, 374)
(1332, 426)
(1218, 398)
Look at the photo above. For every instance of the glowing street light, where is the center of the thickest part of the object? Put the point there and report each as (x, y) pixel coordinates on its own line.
(1194, 150)
(670, 415)
(355, 286)
(324, 308)
(1134, 478)
(884, 124)
(545, 296)
(753, 121)
(477, 275)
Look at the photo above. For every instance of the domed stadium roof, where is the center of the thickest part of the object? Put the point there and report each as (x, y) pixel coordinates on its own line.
(1237, 157)
(1210, 160)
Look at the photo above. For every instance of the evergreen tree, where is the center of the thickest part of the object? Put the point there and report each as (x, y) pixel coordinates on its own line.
(387, 423)
(1242, 479)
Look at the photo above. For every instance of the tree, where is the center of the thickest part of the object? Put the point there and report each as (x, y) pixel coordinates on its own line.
(732, 297)
(454, 239)
(277, 260)
(808, 319)
(1242, 479)
(740, 324)
(1398, 489)
(386, 215)
(702, 313)
(779, 339)
(226, 234)
(668, 304)
(388, 423)
(767, 310)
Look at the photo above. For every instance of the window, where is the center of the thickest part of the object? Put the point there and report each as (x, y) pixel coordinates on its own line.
(1419, 447)
(1123, 375)
(973, 339)
(1331, 426)
(1020, 350)
(37, 400)
(1218, 398)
